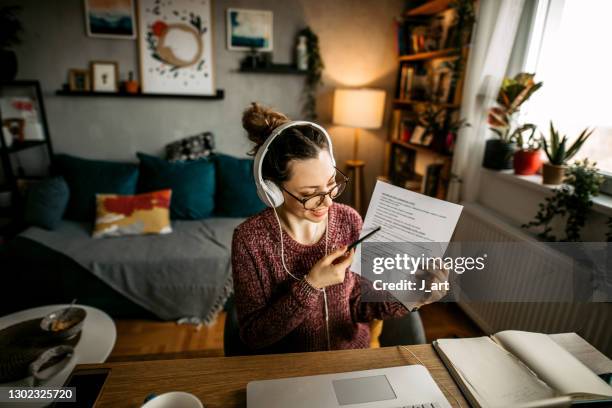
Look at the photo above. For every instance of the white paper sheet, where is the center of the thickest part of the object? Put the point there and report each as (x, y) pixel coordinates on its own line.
(407, 217)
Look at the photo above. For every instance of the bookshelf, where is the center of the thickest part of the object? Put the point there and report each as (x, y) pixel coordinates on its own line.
(433, 40)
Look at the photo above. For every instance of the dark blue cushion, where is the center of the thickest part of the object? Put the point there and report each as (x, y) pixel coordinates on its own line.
(46, 203)
(192, 184)
(236, 193)
(86, 178)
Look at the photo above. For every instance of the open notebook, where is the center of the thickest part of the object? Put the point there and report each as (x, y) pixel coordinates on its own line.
(515, 368)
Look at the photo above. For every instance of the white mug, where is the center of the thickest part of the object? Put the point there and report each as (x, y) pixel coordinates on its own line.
(174, 399)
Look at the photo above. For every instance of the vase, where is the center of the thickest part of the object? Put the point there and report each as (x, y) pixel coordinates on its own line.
(527, 162)
(498, 154)
(553, 174)
(8, 65)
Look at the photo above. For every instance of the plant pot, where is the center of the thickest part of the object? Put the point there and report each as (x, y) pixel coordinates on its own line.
(498, 154)
(8, 65)
(553, 174)
(527, 162)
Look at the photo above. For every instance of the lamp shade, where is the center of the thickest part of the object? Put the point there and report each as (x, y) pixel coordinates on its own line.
(359, 108)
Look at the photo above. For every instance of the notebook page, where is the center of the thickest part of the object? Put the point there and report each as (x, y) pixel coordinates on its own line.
(496, 377)
(553, 364)
(583, 351)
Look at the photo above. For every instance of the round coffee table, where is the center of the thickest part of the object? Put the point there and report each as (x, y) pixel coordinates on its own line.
(95, 345)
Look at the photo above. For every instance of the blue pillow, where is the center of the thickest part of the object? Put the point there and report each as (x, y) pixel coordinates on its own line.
(192, 184)
(237, 194)
(86, 178)
(46, 203)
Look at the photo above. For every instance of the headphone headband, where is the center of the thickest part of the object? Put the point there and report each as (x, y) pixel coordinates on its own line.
(262, 187)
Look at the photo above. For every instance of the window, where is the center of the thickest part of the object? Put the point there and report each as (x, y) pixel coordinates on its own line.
(569, 49)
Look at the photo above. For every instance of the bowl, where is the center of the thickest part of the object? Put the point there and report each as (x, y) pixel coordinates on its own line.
(175, 399)
(64, 323)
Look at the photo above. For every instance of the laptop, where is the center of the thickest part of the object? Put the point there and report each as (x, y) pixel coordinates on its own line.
(393, 387)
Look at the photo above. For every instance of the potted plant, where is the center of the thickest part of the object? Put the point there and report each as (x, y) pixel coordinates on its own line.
(314, 74)
(10, 30)
(527, 159)
(559, 154)
(512, 94)
(442, 128)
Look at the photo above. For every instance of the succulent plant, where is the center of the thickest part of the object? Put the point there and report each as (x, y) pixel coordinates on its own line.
(556, 148)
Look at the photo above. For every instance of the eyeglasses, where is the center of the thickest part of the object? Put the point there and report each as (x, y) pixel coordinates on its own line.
(315, 201)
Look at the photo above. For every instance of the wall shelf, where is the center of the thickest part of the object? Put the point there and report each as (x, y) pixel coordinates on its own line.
(61, 92)
(274, 69)
(398, 103)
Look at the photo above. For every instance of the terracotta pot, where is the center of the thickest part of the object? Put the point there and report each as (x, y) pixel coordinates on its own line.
(553, 174)
(498, 154)
(527, 162)
(131, 87)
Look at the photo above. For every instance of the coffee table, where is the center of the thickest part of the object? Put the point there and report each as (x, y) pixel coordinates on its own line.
(95, 345)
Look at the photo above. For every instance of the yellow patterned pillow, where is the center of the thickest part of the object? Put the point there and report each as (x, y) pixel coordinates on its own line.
(147, 213)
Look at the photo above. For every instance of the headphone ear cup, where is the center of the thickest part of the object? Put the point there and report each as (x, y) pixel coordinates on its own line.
(275, 195)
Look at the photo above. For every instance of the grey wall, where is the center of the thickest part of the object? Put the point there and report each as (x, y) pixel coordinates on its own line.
(357, 43)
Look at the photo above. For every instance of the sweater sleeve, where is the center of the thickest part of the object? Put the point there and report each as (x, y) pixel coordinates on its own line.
(368, 311)
(264, 322)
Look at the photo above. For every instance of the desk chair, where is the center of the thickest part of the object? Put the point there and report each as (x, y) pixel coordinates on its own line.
(404, 330)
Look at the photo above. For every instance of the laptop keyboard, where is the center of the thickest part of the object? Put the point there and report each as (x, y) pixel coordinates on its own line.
(426, 405)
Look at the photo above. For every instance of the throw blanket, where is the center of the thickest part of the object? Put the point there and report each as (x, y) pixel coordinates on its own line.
(185, 274)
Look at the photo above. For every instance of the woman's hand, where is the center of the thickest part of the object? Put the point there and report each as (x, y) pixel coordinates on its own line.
(330, 269)
(431, 277)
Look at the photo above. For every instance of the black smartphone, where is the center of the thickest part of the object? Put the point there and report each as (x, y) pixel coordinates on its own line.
(360, 240)
(88, 384)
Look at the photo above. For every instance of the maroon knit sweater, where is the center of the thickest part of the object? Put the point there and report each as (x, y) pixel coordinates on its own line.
(279, 314)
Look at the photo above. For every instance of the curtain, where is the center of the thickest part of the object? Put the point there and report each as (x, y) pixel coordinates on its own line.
(492, 45)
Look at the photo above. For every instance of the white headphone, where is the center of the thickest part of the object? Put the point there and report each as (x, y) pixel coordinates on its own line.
(267, 190)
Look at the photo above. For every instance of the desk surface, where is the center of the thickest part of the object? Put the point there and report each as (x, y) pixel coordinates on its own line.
(221, 381)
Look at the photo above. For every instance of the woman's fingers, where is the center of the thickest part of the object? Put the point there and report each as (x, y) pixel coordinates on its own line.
(329, 259)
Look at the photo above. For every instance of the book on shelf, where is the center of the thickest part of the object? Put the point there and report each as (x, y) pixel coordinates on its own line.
(516, 368)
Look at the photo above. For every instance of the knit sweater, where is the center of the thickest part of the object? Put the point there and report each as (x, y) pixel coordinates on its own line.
(278, 313)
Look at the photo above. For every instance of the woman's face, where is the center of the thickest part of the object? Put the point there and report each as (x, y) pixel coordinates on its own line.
(309, 177)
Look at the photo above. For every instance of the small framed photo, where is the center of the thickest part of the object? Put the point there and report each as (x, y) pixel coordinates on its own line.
(249, 29)
(105, 76)
(110, 19)
(78, 80)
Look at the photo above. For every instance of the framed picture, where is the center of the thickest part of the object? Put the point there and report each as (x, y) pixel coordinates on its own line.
(110, 18)
(176, 47)
(105, 76)
(22, 115)
(249, 29)
(78, 80)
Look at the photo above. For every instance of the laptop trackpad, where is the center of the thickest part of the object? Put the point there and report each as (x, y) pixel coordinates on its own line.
(363, 389)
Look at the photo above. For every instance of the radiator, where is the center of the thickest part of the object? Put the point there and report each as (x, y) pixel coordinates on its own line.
(592, 321)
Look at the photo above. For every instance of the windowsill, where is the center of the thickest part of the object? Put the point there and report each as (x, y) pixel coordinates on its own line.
(602, 203)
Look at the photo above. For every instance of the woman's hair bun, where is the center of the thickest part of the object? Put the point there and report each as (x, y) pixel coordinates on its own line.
(259, 121)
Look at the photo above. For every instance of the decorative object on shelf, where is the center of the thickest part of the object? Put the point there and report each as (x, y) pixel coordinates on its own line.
(402, 168)
(248, 29)
(527, 158)
(110, 19)
(175, 43)
(301, 53)
(314, 74)
(15, 129)
(464, 19)
(439, 129)
(78, 80)
(360, 109)
(105, 76)
(10, 32)
(131, 85)
(559, 154)
(573, 201)
(512, 94)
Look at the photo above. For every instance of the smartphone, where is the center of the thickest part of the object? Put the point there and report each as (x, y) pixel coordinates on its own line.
(360, 240)
(88, 384)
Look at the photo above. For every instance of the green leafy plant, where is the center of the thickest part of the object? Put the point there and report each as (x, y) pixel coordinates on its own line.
(314, 74)
(439, 125)
(531, 143)
(512, 94)
(10, 27)
(572, 200)
(557, 151)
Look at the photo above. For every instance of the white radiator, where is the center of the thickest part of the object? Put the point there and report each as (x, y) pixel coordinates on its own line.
(592, 321)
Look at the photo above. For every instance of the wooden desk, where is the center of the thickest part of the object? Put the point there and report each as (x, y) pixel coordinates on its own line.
(221, 381)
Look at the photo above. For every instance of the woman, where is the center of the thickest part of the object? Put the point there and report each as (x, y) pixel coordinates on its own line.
(293, 290)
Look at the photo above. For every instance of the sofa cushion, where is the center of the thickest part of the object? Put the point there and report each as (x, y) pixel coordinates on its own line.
(192, 184)
(86, 178)
(237, 194)
(120, 215)
(46, 203)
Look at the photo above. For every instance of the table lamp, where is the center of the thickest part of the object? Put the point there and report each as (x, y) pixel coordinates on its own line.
(360, 109)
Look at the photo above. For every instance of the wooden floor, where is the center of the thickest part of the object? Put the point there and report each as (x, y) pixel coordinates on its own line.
(143, 339)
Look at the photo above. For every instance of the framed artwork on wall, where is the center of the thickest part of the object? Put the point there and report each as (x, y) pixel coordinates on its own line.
(110, 18)
(176, 47)
(78, 80)
(105, 76)
(249, 29)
